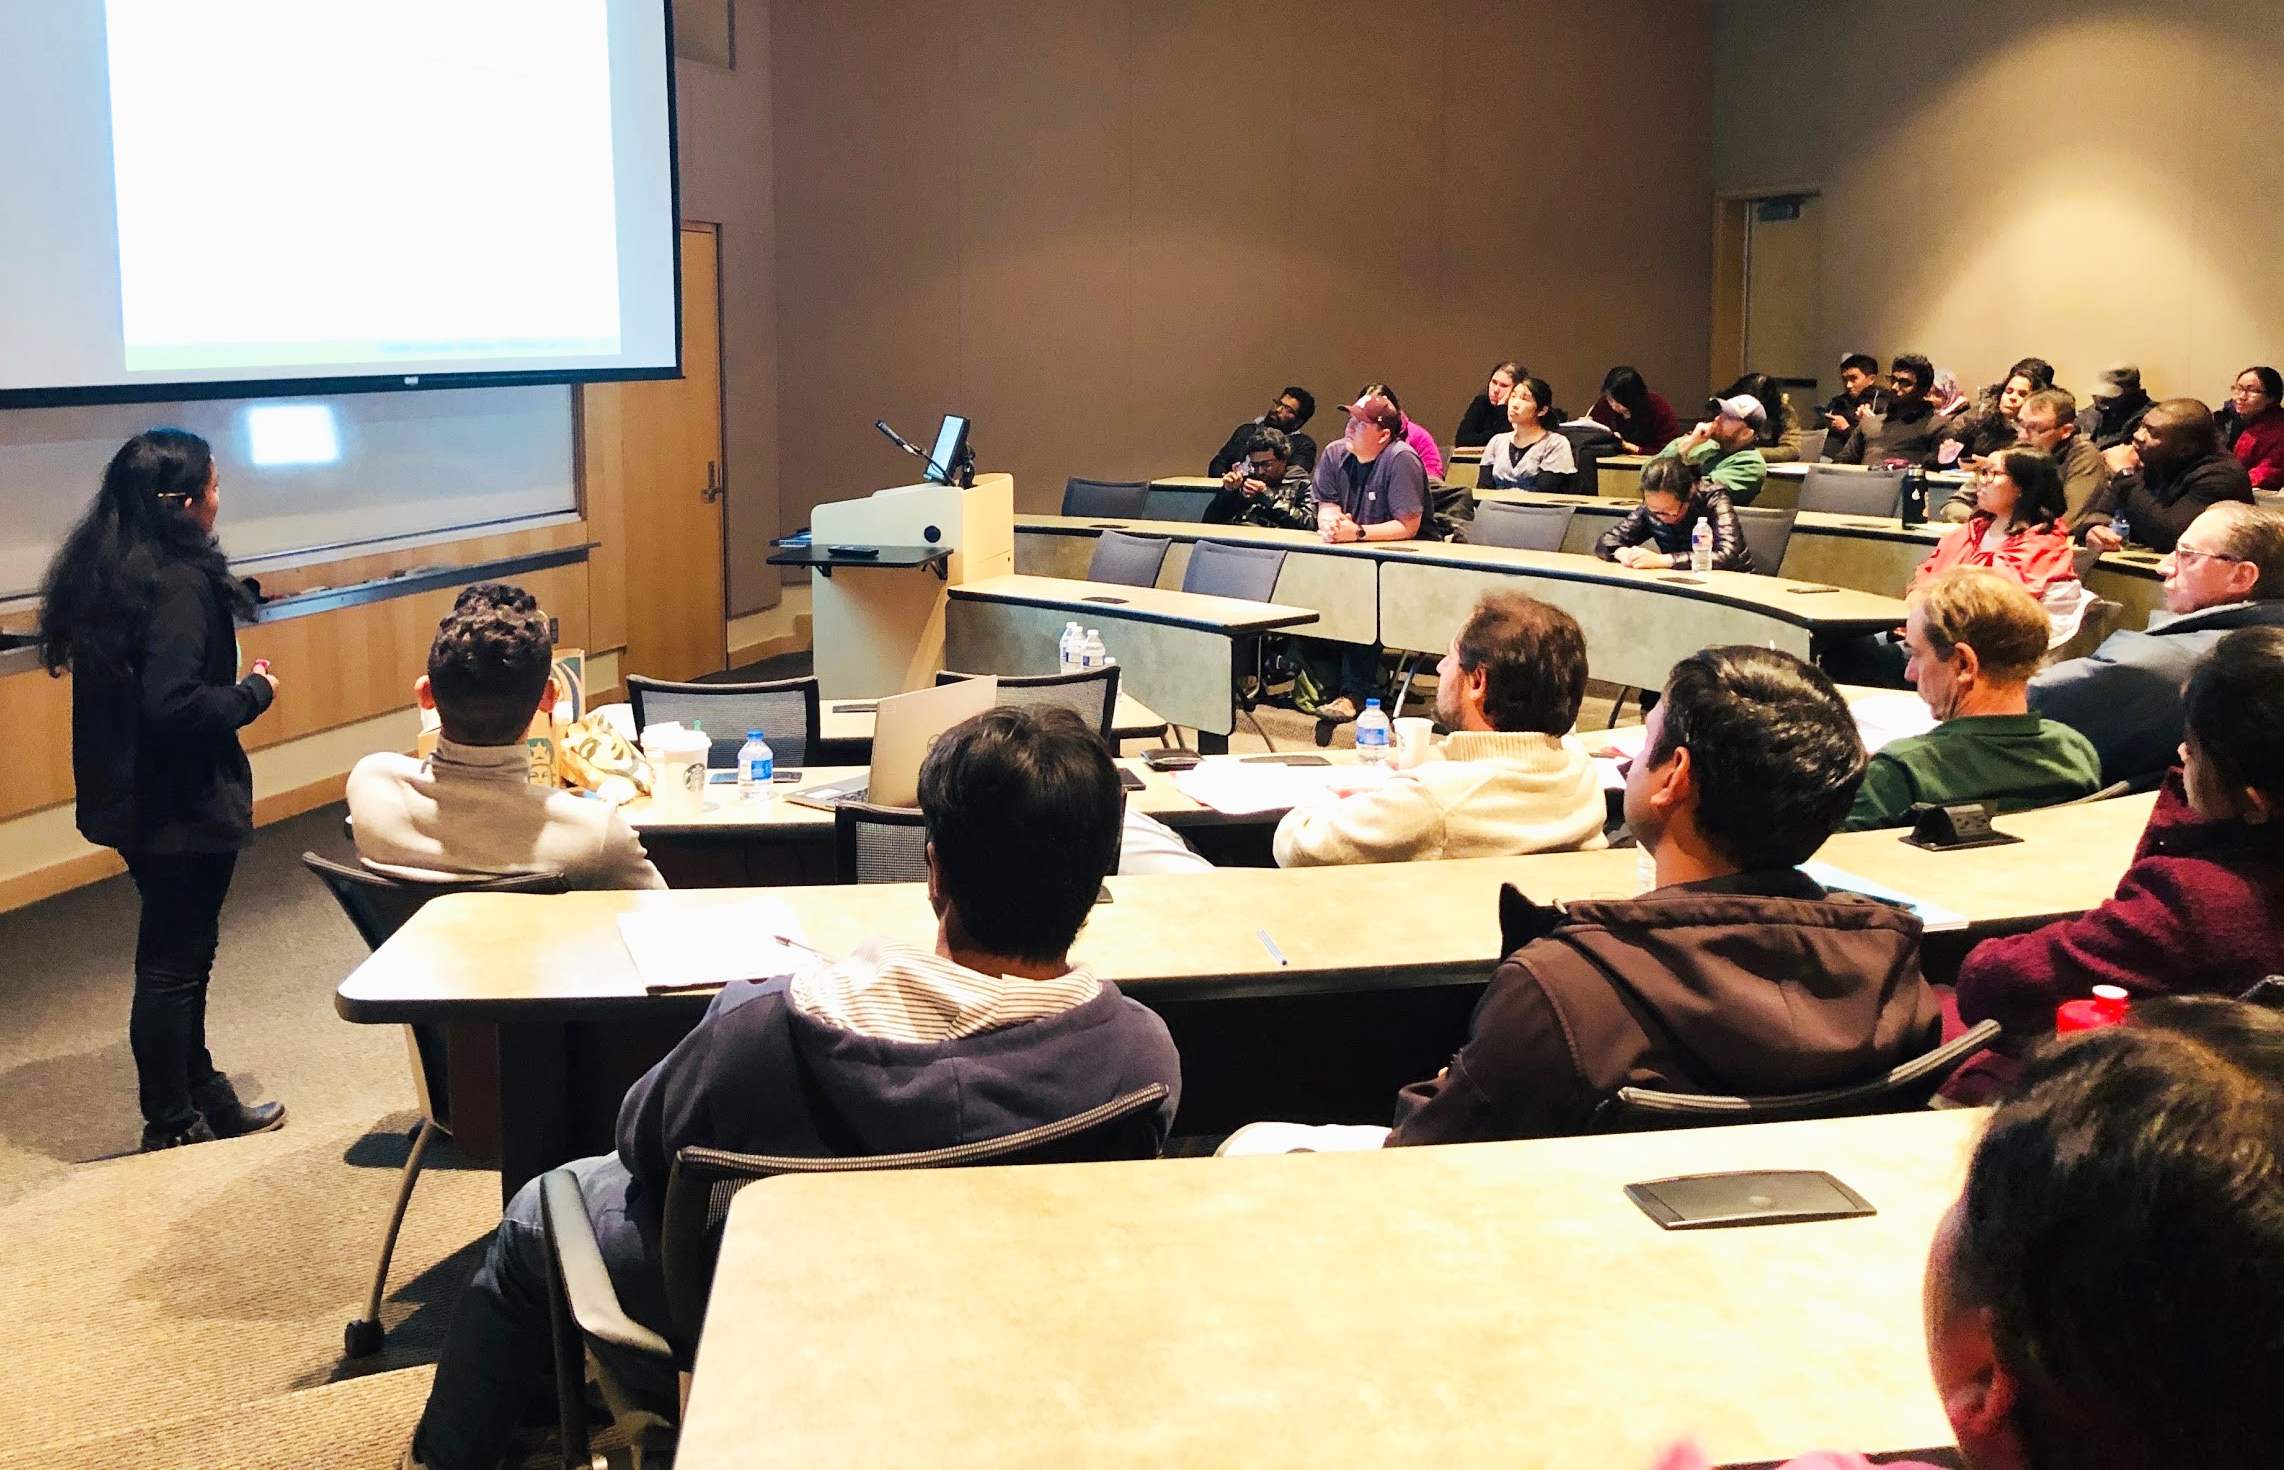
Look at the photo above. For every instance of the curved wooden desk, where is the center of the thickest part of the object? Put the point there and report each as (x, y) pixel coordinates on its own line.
(1637, 624)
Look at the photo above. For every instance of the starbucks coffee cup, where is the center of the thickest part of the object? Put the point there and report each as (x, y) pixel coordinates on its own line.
(677, 757)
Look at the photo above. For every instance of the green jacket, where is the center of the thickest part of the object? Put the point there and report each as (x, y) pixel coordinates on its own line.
(1740, 471)
(2020, 761)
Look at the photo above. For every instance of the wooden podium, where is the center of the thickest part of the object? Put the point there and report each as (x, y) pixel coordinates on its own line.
(879, 625)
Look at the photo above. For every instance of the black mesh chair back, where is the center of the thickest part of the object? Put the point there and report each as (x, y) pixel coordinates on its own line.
(1219, 569)
(1127, 559)
(1520, 527)
(1119, 498)
(786, 711)
(1178, 502)
(1846, 492)
(1092, 692)
(1767, 533)
(705, 1180)
(879, 844)
(377, 906)
(1901, 1089)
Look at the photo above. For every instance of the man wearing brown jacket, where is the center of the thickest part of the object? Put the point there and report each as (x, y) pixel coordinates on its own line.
(1737, 973)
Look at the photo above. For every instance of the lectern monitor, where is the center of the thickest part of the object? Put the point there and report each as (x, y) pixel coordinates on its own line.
(951, 450)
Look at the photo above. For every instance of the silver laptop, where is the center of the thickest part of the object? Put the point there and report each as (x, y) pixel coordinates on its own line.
(903, 727)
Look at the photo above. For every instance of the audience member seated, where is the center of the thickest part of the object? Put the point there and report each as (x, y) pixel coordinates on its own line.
(1506, 780)
(2225, 573)
(1992, 422)
(467, 810)
(1721, 448)
(1860, 392)
(1949, 399)
(1293, 408)
(1268, 489)
(2201, 909)
(1421, 441)
(1737, 973)
(1657, 532)
(2174, 468)
(1487, 411)
(1778, 438)
(1974, 638)
(1369, 486)
(894, 1048)
(2105, 1292)
(2048, 421)
(1903, 430)
(2252, 426)
(2014, 527)
(1641, 419)
(1531, 454)
(2117, 408)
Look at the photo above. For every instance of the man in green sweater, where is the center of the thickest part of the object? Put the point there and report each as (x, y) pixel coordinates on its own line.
(1724, 448)
(1974, 639)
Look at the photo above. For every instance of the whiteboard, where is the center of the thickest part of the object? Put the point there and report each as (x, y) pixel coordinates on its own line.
(410, 464)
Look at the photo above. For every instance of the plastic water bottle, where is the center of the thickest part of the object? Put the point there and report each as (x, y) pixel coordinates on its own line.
(2123, 528)
(1701, 547)
(1372, 735)
(757, 765)
(1074, 639)
(1092, 655)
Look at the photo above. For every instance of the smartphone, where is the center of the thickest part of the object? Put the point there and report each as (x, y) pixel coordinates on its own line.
(1130, 781)
(1285, 760)
(1754, 1197)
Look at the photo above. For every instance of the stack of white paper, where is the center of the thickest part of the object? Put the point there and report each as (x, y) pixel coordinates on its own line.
(1239, 788)
(706, 948)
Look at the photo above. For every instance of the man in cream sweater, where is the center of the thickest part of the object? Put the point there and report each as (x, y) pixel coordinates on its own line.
(468, 811)
(1507, 780)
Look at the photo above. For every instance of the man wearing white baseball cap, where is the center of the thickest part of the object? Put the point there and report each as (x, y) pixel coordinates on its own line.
(1722, 447)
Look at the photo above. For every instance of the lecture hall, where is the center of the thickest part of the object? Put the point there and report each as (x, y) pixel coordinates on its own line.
(1004, 733)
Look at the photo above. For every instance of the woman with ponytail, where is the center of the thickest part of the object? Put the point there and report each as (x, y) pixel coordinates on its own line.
(139, 607)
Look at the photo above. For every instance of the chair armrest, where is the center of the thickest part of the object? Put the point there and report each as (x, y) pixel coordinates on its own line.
(579, 1260)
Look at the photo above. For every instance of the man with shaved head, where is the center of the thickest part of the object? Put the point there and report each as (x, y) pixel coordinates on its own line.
(2174, 470)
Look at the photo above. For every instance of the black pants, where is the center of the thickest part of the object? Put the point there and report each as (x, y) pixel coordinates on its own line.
(174, 956)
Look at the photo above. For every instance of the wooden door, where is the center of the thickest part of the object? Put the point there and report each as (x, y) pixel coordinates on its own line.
(671, 474)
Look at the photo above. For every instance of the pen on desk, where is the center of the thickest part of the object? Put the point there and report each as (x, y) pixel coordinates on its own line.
(1271, 945)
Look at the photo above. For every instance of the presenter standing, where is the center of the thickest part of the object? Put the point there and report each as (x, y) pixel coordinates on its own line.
(139, 606)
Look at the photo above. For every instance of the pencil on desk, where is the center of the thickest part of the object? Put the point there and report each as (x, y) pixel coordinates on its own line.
(1271, 945)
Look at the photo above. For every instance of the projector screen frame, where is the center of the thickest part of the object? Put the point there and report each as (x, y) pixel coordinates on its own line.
(94, 394)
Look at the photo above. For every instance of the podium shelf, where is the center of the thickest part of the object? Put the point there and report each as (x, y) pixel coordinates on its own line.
(826, 560)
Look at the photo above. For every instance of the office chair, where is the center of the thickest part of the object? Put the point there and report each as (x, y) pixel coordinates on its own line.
(1812, 444)
(2083, 560)
(1520, 527)
(584, 1308)
(1118, 498)
(784, 710)
(1092, 692)
(1127, 559)
(1178, 502)
(377, 906)
(1836, 490)
(878, 844)
(1900, 1089)
(1767, 533)
(1219, 569)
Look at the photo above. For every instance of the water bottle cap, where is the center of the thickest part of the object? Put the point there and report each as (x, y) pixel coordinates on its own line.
(753, 735)
(1094, 632)
(1371, 704)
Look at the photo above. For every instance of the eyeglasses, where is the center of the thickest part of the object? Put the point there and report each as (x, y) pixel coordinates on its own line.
(2191, 553)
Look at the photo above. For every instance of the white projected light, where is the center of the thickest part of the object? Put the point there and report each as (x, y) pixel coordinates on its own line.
(367, 193)
(292, 433)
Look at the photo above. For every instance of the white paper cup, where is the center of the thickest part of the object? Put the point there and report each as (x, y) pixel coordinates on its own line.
(1412, 736)
(677, 759)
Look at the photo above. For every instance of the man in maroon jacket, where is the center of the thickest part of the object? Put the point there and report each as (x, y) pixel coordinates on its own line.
(1738, 973)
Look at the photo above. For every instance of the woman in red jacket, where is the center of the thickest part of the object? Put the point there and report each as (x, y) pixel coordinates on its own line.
(2252, 426)
(2202, 907)
(2016, 529)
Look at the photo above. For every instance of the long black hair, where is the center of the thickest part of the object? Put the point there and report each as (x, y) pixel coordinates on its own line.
(97, 593)
(1777, 408)
(1627, 390)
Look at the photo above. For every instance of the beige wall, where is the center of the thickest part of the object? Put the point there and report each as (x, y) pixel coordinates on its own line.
(1108, 230)
(2083, 181)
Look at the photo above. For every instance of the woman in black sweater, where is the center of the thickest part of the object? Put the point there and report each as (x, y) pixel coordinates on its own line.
(139, 606)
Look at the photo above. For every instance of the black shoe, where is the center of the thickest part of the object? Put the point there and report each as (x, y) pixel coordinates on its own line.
(230, 1118)
(196, 1131)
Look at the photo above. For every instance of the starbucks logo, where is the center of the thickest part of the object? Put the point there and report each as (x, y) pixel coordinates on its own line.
(694, 777)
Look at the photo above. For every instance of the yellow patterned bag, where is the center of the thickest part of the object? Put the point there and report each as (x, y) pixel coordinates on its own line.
(593, 756)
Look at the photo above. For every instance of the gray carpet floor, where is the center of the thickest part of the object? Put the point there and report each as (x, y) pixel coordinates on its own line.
(185, 1308)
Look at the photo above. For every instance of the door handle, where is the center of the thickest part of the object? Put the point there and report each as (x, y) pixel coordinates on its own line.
(715, 489)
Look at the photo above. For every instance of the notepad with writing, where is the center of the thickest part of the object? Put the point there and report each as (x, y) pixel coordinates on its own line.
(698, 949)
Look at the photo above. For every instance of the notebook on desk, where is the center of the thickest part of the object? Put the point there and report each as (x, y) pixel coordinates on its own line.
(904, 726)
